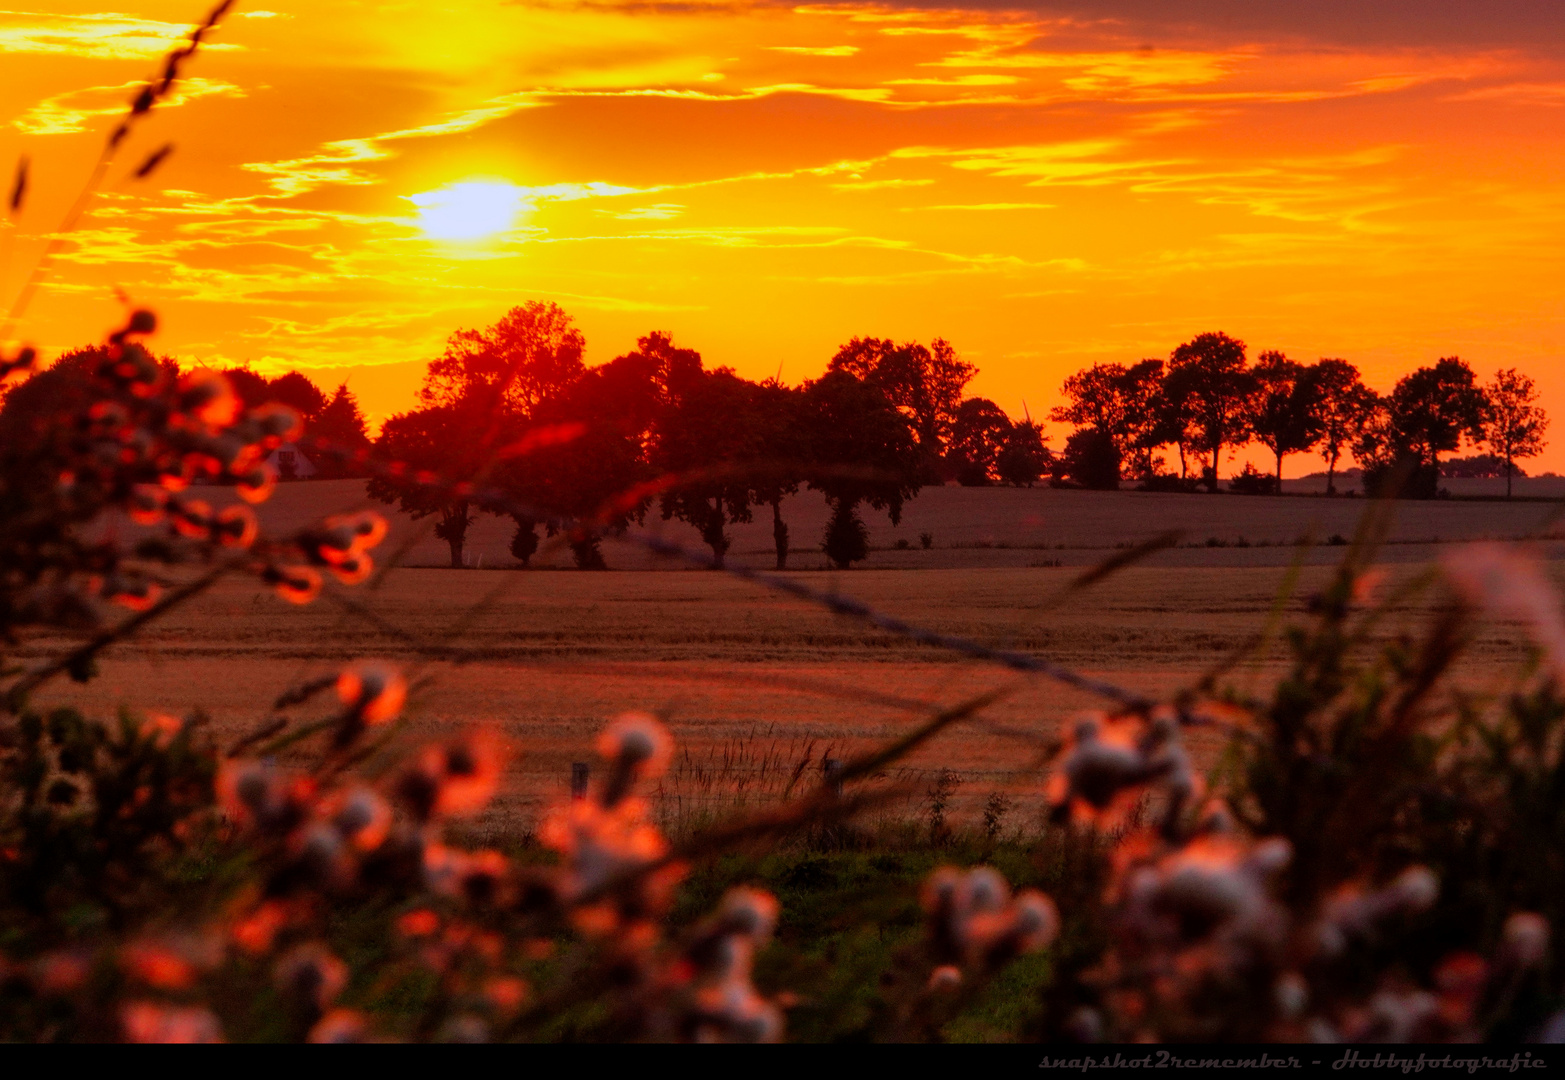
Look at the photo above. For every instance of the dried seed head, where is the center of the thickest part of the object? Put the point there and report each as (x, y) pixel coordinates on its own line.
(209, 397)
(236, 527)
(257, 485)
(373, 693)
(148, 1022)
(1417, 888)
(295, 584)
(312, 973)
(340, 1026)
(1525, 940)
(638, 740)
(750, 912)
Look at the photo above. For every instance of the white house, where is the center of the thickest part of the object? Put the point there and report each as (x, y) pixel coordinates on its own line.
(289, 462)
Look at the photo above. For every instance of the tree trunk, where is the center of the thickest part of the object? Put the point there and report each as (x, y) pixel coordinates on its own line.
(1279, 472)
(453, 530)
(1509, 471)
(1331, 472)
(780, 533)
(1183, 469)
(715, 536)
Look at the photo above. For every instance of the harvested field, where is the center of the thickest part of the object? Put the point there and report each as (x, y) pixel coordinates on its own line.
(984, 527)
(744, 676)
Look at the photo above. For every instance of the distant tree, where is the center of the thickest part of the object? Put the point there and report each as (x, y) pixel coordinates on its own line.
(1285, 419)
(1023, 457)
(591, 480)
(1173, 422)
(300, 394)
(1144, 427)
(1514, 424)
(1427, 414)
(1209, 378)
(48, 401)
(531, 352)
(1432, 408)
(1342, 405)
(925, 384)
(1479, 467)
(1092, 459)
(499, 375)
(1381, 455)
(861, 450)
(782, 446)
(1124, 403)
(437, 446)
(707, 439)
(977, 438)
(1095, 398)
(673, 370)
(340, 426)
(254, 390)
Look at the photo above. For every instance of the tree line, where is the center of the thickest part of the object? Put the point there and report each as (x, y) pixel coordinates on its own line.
(515, 407)
(1207, 398)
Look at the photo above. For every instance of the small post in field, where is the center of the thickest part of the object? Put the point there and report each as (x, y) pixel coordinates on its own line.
(578, 780)
(832, 767)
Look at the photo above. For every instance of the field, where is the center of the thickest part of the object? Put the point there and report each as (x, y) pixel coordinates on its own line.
(760, 681)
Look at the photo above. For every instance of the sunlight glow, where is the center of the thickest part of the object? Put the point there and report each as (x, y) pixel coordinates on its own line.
(472, 210)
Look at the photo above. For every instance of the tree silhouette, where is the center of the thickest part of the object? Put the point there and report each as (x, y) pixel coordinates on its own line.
(48, 402)
(706, 437)
(1096, 399)
(1023, 457)
(298, 393)
(977, 438)
(1144, 426)
(530, 353)
(1342, 406)
(1209, 380)
(1513, 424)
(1426, 414)
(1123, 403)
(254, 390)
(596, 478)
(441, 448)
(1285, 419)
(925, 384)
(340, 426)
(1092, 459)
(861, 450)
(782, 445)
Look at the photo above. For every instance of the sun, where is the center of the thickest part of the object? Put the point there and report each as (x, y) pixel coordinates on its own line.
(471, 210)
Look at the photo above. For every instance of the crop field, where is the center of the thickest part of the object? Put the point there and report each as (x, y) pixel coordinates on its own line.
(990, 527)
(753, 683)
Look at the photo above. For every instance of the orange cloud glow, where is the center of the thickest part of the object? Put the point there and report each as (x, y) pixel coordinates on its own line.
(1045, 188)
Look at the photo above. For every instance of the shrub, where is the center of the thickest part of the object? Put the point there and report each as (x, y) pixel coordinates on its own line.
(1091, 459)
(1251, 481)
(847, 538)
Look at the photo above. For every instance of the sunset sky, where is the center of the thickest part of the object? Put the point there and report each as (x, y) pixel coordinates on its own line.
(1046, 186)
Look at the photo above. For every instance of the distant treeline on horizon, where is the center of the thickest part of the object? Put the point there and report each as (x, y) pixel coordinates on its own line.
(514, 406)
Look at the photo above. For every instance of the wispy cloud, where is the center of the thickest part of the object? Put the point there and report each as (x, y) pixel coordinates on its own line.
(334, 163)
(68, 113)
(815, 50)
(107, 36)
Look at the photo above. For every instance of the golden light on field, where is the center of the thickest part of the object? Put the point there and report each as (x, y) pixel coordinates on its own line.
(473, 210)
(1046, 187)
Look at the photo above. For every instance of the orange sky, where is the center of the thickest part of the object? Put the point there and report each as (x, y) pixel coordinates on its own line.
(1077, 182)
